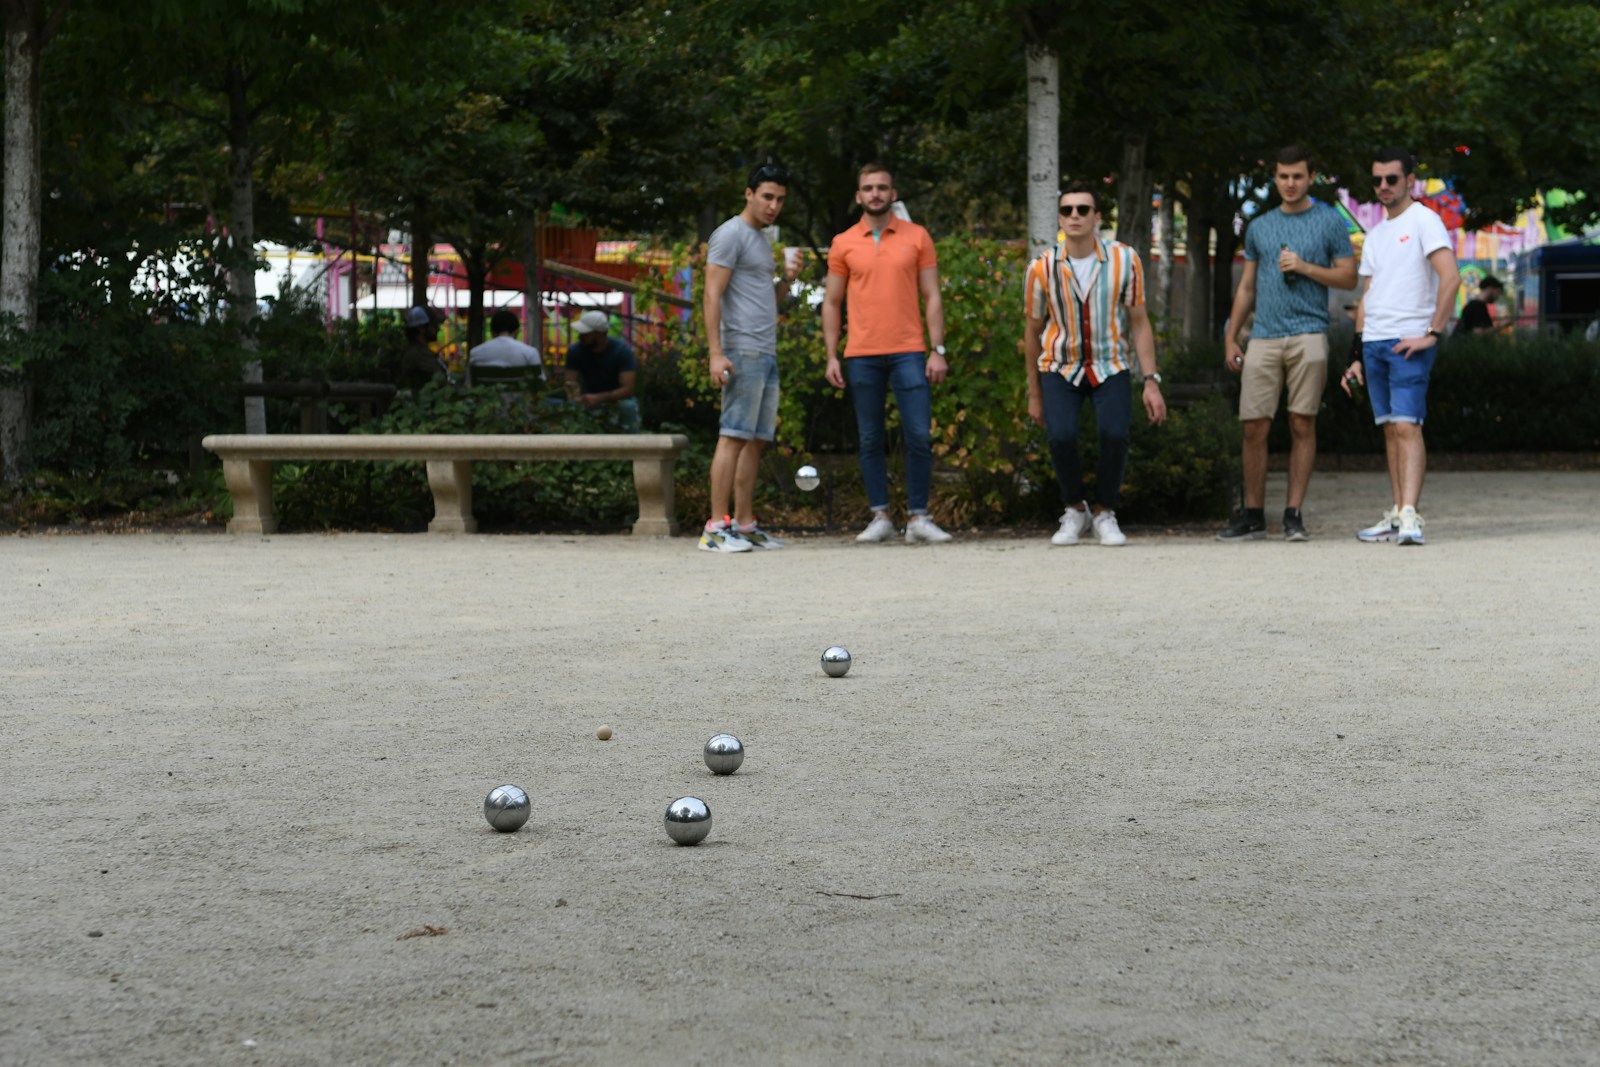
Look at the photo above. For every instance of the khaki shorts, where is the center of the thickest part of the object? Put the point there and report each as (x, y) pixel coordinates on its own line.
(1302, 359)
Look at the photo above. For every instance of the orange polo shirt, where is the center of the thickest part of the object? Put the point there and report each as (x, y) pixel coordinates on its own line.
(882, 295)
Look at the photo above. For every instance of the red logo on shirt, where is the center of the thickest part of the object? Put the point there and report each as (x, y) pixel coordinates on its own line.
(1405, 238)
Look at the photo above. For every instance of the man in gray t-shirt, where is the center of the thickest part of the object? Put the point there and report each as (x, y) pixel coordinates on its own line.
(741, 309)
(1292, 256)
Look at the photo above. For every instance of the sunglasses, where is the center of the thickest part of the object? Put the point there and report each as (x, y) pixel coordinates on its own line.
(1380, 180)
(1076, 209)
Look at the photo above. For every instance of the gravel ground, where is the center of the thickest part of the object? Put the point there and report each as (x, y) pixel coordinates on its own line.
(1180, 803)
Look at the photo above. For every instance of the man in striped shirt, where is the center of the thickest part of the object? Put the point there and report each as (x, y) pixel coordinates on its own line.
(1087, 323)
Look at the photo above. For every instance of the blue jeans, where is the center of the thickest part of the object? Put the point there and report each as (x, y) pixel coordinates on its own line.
(870, 379)
(1113, 416)
(1397, 386)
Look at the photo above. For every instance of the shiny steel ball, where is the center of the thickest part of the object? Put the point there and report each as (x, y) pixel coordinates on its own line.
(807, 478)
(836, 661)
(724, 753)
(688, 820)
(506, 808)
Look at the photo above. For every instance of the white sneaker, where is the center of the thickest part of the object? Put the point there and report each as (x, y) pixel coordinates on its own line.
(1074, 524)
(923, 529)
(723, 539)
(879, 529)
(1410, 531)
(1385, 529)
(1106, 528)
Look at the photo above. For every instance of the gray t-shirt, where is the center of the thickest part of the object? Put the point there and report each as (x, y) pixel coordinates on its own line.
(749, 305)
(1287, 307)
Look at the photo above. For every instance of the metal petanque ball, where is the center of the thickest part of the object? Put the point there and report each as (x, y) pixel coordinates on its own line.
(724, 753)
(688, 820)
(836, 661)
(807, 478)
(506, 808)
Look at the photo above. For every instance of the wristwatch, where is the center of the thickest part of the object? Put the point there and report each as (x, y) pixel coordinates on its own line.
(1435, 334)
(1153, 376)
(938, 350)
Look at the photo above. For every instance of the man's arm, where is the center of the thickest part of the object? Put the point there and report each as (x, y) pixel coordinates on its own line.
(933, 310)
(1144, 345)
(717, 279)
(1342, 275)
(1244, 299)
(791, 271)
(832, 308)
(1032, 348)
(1443, 261)
(1356, 372)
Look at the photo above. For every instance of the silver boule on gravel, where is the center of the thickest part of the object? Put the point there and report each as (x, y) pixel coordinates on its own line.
(724, 753)
(506, 807)
(688, 820)
(807, 478)
(836, 661)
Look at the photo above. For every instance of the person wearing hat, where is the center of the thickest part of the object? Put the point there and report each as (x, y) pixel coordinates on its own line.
(600, 369)
(419, 361)
(1477, 316)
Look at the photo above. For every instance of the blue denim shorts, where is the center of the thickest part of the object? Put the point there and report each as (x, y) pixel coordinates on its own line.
(1398, 386)
(750, 400)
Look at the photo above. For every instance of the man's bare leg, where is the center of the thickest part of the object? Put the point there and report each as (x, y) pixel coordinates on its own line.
(1254, 461)
(724, 464)
(744, 481)
(1391, 449)
(1302, 457)
(1413, 462)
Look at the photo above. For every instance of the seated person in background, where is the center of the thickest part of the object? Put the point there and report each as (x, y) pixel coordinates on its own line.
(419, 360)
(504, 350)
(601, 369)
(1477, 315)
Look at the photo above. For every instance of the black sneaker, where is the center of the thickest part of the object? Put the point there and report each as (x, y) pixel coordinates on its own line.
(1294, 528)
(1243, 528)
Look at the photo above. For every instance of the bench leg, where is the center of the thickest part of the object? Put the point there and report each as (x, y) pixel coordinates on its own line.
(653, 481)
(451, 482)
(250, 485)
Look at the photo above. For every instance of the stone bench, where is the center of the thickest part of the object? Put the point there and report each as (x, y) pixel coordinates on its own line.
(247, 465)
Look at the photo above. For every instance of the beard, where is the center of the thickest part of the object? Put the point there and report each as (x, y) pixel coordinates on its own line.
(888, 206)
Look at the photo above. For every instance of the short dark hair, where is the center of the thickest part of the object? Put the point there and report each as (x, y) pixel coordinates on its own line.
(504, 321)
(1490, 279)
(1394, 154)
(873, 166)
(776, 173)
(1292, 153)
(1079, 187)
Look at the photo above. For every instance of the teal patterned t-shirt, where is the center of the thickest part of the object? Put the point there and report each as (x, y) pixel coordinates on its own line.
(1317, 235)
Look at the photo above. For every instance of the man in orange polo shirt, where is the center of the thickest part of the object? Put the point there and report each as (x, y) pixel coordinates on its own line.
(883, 263)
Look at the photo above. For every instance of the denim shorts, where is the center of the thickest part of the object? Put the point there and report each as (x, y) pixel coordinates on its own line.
(1397, 386)
(750, 399)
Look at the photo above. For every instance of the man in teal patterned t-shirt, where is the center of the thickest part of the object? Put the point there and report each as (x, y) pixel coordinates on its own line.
(1293, 255)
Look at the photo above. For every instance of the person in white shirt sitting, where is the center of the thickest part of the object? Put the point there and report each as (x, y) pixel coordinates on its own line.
(504, 350)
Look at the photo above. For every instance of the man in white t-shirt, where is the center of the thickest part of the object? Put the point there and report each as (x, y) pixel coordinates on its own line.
(1410, 299)
(504, 350)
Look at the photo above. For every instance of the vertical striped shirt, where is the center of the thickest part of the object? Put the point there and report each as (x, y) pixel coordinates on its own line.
(1086, 333)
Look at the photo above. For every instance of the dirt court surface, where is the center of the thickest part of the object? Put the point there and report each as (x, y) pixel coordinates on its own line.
(1178, 803)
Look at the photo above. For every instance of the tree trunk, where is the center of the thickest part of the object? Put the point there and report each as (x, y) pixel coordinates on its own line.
(1162, 291)
(475, 258)
(1135, 185)
(1197, 256)
(1222, 263)
(242, 234)
(421, 249)
(20, 236)
(1044, 145)
(532, 298)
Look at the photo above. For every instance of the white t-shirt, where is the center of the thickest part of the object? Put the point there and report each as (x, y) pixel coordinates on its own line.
(504, 351)
(1083, 270)
(1404, 291)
